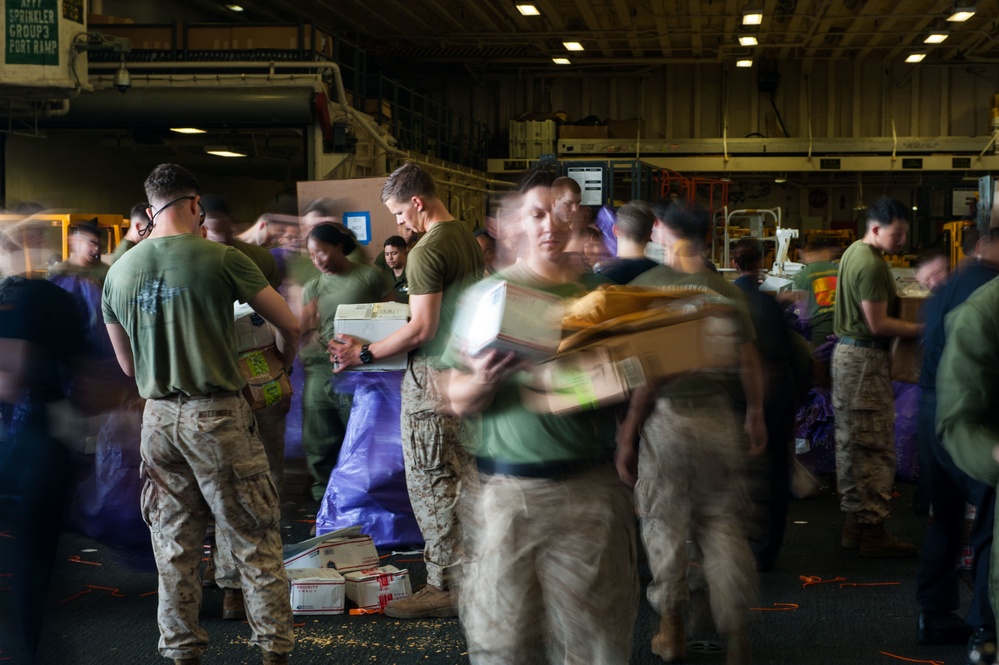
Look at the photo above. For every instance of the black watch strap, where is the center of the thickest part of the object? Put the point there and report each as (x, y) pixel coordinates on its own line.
(366, 356)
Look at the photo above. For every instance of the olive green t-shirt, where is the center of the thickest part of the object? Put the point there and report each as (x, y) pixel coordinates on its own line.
(362, 283)
(122, 247)
(97, 272)
(863, 275)
(174, 297)
(712, 382)
(263, 259)
(301, 269)
(511, 433)
(447, 260)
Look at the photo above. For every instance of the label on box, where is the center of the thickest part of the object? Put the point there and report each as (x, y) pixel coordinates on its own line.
(347, 554)
(316, 591)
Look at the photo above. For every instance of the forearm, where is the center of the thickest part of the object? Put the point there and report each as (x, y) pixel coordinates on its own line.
(640, 406)
(467, 396)
(287, 342)
(411, 336)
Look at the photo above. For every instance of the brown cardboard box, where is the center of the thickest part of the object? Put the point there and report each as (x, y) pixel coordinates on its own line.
(573, 132)
(907, 354)
(266, 379)
(580, 381)
(625, 129)
(208, 38)
(281, 37)
(634, 358)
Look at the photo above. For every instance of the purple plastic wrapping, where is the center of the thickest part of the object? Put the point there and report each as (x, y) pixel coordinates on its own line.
(293, 422)
(906, 447)
(605, 222)
(106, 504)
(368, 486)
(815, 423)
(87, 294)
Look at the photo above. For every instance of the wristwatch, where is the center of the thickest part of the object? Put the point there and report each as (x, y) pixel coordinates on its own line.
(366, 356)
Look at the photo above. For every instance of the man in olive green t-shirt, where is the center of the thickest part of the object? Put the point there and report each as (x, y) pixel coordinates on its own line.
(861, 383)
(445, 262)
(168, 306)
(138, 220)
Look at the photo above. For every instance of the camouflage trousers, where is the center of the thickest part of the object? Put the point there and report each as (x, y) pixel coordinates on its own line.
(554, 570)
(202, 460)
(271, 422)
(864, 407)
(439, 469)
(691, 480)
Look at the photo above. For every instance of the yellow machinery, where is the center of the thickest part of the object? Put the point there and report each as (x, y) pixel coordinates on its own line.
(955, 239)
(48, 235)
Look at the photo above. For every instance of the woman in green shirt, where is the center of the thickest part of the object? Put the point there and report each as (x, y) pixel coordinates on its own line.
(340, 281)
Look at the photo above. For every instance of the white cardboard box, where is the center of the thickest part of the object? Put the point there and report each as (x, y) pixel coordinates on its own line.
(316, 591)
(343, 554)
(348, 554)
(496, 314)
(252, 332)
(374, 588)
(373, 322)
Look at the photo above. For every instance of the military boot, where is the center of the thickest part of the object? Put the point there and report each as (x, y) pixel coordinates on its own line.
(671, 642)
(851, 532)
(233, 607)
(876, 543)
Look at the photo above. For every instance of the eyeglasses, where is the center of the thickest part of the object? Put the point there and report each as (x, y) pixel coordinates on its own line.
(201, 218)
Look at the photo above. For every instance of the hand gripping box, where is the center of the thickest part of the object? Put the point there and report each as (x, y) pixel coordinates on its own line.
(373, 322)
(500, 315)
(374, 588)
(316, 591)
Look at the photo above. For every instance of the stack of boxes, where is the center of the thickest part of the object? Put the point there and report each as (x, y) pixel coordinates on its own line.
(329, 569)
(532, 138)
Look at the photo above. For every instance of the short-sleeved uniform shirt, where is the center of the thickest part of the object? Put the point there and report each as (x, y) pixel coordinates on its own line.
(703, 384)
(263, 259)
(447, 260)
(863, 275)
(97, 272)
(818, 280)
(174, 296)
(122, 247)
(399, 283)
(362, 283)
(511, 433)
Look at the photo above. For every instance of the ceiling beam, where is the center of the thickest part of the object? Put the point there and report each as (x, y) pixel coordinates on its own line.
(592, 24)
(625, 21)
(662, 27)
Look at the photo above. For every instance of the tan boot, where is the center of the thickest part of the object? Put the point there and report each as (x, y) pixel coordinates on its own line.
(851, 532)
(233, 607)
(271, 658)
(429, 601)
(876, 543)
(671, 642)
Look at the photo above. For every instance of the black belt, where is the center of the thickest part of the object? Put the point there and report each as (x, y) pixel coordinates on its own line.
(549, 470)
(881, 344)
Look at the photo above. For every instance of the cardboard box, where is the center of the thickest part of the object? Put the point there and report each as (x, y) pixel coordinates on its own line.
(267, 381)
(349, 553)
(252, 332)
(208, 38)
(710, 342)
(297, 555)
(374, 588)
(370, 323)
(625, 129)
(573, 132)
(496, 314)
(581, 381)
(271, 37)
(317, 591)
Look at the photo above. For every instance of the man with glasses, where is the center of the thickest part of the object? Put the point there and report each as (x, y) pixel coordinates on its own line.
(168, 306)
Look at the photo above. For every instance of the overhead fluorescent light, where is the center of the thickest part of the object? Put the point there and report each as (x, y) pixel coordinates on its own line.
(562, 61)
(961, 12)
(528, 10)
(224, 151)
(752, 17)
(234, 8)
(780, 178)
(748, 40)
(936, 37)
(915, 57)
(187, 130)
(744, 62)
(572, 46)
